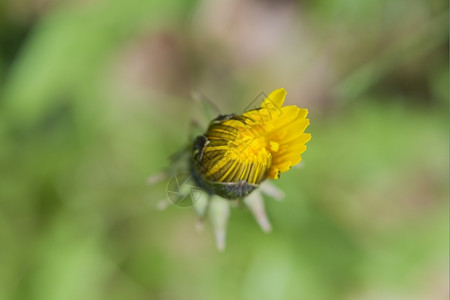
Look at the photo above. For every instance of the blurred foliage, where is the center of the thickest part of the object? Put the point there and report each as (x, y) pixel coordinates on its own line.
(94, 95)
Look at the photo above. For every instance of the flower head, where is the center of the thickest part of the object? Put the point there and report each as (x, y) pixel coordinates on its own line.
(234, 157)
(238, 152)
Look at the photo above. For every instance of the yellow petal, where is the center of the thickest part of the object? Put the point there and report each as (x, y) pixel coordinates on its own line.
(260, 143)
(275, 100)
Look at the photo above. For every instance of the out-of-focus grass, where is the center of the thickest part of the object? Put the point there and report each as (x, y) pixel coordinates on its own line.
(97, 96)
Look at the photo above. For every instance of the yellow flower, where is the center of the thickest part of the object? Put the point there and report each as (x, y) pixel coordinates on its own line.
(237, 153)
(233, 158)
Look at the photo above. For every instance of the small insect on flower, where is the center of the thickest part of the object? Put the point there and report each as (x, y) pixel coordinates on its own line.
(237, 153)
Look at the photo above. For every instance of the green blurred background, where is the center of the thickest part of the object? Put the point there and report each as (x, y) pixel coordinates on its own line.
(94, 96)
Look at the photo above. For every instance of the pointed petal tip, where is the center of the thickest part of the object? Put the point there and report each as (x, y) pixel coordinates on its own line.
(199, 225)
(220, 240)
(265, 225)
(278, 94)
(162, 205)
(156, 178)
(219, 214)
(275, 99)
(255, 203)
